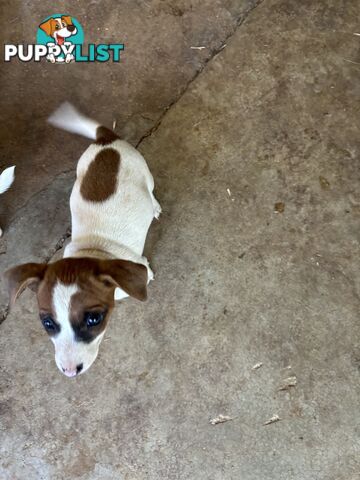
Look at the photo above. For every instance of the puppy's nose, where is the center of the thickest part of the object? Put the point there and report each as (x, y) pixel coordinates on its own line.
(71, 28)
(72, 372)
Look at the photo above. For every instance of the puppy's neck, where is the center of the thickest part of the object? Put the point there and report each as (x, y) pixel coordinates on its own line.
(97, 247)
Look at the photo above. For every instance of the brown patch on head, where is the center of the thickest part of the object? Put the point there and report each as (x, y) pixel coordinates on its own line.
(100, 180)
(67, 19)
(96, 281)
(22, 276)
(104, 136)
(49, 26)
(95, 298)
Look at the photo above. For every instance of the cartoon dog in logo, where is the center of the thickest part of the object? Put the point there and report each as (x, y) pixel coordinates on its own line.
(59, 29)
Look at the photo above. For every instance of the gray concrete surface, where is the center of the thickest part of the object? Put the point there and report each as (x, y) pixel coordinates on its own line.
(272, 119)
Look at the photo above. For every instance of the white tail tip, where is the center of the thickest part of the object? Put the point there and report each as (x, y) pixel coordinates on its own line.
(6, 179)
(68, 118)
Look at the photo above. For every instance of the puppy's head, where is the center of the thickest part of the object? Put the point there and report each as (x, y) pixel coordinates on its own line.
(75, 298)
(59, 28)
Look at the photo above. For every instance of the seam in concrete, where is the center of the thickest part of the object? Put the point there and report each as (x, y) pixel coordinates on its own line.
(38, 192)
(239, 21)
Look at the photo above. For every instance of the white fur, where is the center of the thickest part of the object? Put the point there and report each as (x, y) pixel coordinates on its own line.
(114, 229)
(68, 352)
(6, 179)
(118, 226)
(68, 118)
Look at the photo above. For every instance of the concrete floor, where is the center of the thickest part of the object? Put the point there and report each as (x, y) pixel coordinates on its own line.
(273, 118)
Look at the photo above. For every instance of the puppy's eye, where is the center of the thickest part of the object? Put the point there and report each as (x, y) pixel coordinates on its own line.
(93, 318)
(63, 24)
(49, 324)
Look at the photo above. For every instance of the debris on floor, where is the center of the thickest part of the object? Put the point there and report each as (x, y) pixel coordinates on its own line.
(273, 419)
(288, 383)
(197, 48)
(114, 124)
(220, 419)
(279, 207)
(324, 183)
(228, 191)
(257, 366)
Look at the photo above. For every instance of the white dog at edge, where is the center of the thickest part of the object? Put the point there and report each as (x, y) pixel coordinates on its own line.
(6, 180)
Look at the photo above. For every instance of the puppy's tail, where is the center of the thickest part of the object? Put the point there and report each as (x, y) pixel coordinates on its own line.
(6, 179)
(70, 119)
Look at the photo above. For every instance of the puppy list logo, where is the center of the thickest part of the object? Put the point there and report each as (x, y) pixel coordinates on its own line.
(60, 39)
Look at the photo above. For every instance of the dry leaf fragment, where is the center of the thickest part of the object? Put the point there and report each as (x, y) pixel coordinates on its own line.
(273, 419)
(279, 207)
(257, 365)
(324, 183)
(220, 419)
(289, 382)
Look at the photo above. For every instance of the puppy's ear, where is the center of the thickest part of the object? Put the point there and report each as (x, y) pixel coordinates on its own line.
(22, 276)
(48, 26)
(67, 19)
(129, 276)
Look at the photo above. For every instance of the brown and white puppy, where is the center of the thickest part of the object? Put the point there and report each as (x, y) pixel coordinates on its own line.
(112, 206)
(60, 29)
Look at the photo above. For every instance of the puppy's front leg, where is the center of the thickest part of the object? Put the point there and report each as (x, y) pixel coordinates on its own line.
(51, 58)
(69, 57)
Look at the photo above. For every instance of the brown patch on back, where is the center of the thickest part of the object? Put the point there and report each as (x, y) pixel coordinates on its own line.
(100, 180)
(104, 136)
(49, 26)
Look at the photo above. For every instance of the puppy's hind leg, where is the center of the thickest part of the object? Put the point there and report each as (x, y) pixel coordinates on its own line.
(156, 206)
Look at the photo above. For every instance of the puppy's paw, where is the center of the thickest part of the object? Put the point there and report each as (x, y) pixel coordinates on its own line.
(51, 58)
(157, 208)
(69, 58)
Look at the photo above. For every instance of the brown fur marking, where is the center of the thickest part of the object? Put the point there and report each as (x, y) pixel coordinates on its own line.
(104, 136)
(100, 180)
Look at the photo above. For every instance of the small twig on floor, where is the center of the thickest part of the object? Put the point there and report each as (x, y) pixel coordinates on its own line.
(221, 419)
(273, 419)
(288, 383)
(257, 366)
(351, 61)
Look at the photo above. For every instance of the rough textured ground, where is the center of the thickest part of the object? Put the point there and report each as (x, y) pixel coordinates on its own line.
(257, 260)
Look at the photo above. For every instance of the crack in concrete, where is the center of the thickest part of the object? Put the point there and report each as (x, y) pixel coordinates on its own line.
(39, 192)
(238, 22)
